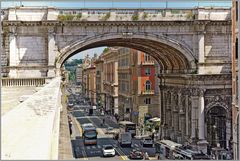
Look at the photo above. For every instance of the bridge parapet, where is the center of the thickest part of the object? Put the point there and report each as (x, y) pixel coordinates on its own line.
(44, 13)
(31, 130)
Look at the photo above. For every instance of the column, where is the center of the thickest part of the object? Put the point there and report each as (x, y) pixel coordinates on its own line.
(186, 114)
(201, 116)
(12, 54)
(180, 112)
(194, 100)
(171, 106)
(202, 143)
(51, 54)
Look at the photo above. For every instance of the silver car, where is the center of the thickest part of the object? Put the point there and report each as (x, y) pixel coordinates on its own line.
(147, 142)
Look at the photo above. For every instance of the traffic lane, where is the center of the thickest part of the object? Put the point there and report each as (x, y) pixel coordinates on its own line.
(93, 151)
(108, 123)
(136, 144)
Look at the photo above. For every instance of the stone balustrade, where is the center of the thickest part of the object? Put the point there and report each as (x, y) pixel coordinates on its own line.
(31, 130)
(9, 82)
(111, 14)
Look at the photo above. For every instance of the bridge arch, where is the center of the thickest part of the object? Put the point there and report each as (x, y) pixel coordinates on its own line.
(172, 55)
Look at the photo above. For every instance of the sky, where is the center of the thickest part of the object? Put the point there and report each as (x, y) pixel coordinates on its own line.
(116, 4)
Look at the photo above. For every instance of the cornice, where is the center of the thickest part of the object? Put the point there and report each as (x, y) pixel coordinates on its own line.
(114, 23)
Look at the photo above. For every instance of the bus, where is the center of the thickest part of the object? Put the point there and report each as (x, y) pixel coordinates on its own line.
(188, 154)
(127, 126)
(89, 133)
(165, 148)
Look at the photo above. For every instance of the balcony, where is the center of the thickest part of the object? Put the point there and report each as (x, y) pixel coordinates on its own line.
(150, 62)
(147, 92)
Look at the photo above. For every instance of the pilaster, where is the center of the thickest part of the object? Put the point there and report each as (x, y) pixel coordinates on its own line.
(51, 53)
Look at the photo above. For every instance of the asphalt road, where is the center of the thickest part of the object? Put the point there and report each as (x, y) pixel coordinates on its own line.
(86, 152)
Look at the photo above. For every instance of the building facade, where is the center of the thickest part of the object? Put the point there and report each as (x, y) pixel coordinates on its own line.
(235, 81)
(110, 81)
(100, 96)
(79, 71)
(138, 88)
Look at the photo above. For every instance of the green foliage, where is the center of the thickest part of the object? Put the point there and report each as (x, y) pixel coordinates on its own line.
(145, 15)
(105, 50)
(79, 16)
(190, 15)
(175, 11)
(74, 62)
(71, 67)
(106, 17)
(69, 17)
(135, 16)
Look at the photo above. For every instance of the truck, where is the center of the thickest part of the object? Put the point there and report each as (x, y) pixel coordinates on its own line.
(125, 139)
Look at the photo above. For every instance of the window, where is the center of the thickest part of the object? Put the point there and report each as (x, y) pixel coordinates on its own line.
(148, 101)
(148, 85)
(147, 71)
(146, 57)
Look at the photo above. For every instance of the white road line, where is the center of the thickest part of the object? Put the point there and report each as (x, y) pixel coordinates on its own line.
(94, 147)
(99, 146)
(88, 147)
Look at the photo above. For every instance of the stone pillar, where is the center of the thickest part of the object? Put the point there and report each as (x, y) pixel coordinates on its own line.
(13, 54)
(51, 54)
(194, 107)
(180, 112)
(172, 106)
(201, 116)
(202, 143)
(186, 114)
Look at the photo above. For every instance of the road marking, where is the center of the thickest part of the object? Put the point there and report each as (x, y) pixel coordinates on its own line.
(99, 146)
(122, 155)
(80, 131)
(136, 145)
(84, 155)
(100, 131)
(88, 147)
(94, 147)
(78, 126)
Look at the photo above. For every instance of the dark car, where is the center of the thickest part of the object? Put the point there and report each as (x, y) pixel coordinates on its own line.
(136, 154)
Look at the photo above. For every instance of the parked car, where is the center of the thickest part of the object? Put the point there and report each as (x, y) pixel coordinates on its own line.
(108, 150)
(136, 154)
(147, 142)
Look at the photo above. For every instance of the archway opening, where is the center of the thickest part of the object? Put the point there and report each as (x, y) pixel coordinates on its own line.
(216, 120)
(172, 55)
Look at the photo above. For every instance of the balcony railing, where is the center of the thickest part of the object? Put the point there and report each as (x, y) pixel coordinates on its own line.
(147, 92)
(150, 62)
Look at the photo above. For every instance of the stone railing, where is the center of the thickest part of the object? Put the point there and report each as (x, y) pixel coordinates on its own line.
(148, 92)
(9, 82)
(31, 130)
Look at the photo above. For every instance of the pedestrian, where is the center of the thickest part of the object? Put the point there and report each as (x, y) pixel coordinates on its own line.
(146, 156)
(103, 120)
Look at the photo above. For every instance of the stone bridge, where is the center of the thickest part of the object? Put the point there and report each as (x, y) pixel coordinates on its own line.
(192, 47)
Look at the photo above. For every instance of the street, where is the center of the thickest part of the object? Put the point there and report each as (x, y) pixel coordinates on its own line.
(79, 114)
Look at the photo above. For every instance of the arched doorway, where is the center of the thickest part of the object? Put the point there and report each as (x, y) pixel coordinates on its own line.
(216, 120)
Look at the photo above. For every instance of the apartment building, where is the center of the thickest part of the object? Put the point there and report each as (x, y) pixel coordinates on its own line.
(110, 81)
(138, 87)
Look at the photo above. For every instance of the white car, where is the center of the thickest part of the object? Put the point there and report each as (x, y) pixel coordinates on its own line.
(108, 150)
